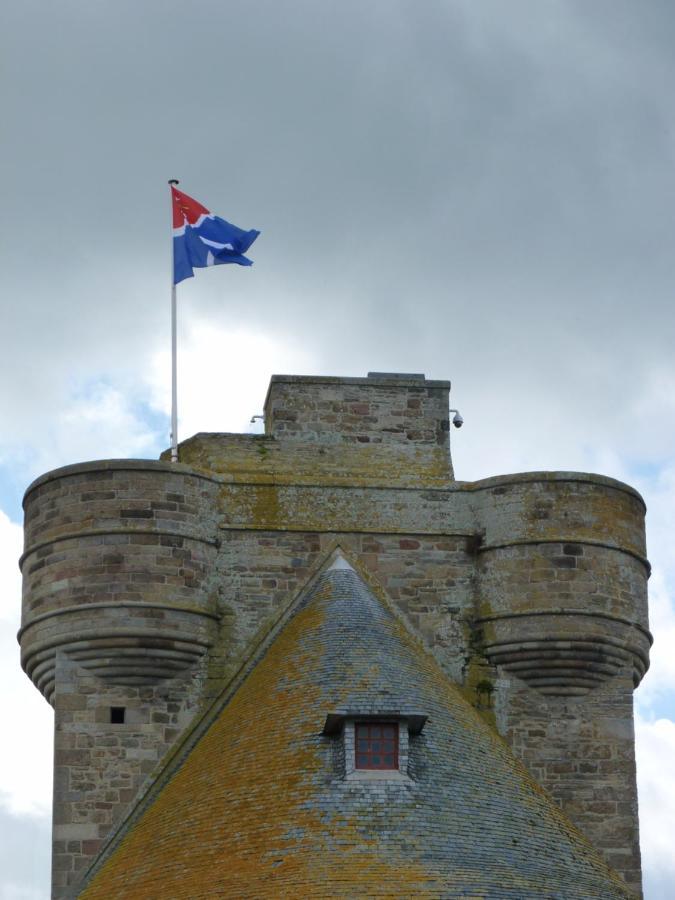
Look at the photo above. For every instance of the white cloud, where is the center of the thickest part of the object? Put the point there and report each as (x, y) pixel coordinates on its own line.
(222, 375)
(12, 891)
(26, 760)
(24, 856)
(656, 694)
(655, 746)
(102, 418)
(11, 542)
(117, 413)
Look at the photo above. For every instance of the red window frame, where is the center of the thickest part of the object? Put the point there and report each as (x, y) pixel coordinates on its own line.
(376, 745)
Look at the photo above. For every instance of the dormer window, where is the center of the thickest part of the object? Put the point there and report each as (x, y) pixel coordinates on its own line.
(376, 745)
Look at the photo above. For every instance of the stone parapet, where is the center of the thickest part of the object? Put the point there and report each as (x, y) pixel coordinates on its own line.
(384, 409)
(266, 459)
(559, 507)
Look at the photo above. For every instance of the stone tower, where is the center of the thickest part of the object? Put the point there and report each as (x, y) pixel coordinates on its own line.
(149, 587)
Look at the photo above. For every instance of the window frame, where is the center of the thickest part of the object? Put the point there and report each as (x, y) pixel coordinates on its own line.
(341, 726)
(363, 758)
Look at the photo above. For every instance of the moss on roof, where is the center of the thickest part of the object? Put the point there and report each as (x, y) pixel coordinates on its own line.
(259, 807)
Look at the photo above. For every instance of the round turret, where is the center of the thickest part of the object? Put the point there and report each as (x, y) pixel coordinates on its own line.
(116, 571)
(563, 580)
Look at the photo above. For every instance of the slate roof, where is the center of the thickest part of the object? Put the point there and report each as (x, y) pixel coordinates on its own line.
(259, 807)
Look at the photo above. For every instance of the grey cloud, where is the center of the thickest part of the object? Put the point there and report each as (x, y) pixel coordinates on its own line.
(480, 190)
(483, 191)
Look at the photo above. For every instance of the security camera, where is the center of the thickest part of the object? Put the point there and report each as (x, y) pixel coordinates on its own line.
(457, 420)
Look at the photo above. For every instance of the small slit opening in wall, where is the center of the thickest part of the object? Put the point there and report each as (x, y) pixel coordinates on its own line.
(117, 715)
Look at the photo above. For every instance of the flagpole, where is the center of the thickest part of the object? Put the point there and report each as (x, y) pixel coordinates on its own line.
(174, 354)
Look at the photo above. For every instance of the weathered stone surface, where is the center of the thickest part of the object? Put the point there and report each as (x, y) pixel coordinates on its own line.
(147, 585)
(100, 767)
(464, 818)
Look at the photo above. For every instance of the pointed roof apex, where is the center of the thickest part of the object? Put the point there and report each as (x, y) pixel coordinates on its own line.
(339, 562)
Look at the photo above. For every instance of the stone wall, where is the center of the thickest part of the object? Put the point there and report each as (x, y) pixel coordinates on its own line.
(427, 578)
(582, 751)
(147, 585)
(100, 767)
(381, 408)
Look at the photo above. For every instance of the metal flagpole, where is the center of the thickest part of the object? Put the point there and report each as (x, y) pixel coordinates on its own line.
(174, 354)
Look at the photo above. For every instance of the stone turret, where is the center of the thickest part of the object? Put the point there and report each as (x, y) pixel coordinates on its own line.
(116, 573)
(147, 584)
(562, 580)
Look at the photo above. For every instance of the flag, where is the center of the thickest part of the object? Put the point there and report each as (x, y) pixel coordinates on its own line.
(201, 239)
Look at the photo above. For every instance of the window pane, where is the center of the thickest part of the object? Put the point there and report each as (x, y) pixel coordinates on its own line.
(376, 745)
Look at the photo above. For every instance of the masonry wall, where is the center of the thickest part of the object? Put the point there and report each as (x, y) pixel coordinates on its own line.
(101, 767)
(148, 584)
(582, 751)
(381, 409)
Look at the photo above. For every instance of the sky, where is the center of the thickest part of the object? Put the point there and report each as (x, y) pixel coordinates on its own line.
(480, 190)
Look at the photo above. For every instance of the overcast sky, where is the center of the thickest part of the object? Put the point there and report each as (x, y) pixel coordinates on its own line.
(481, 190)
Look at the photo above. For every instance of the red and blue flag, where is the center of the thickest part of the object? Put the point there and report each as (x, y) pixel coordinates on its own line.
(201, 239)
